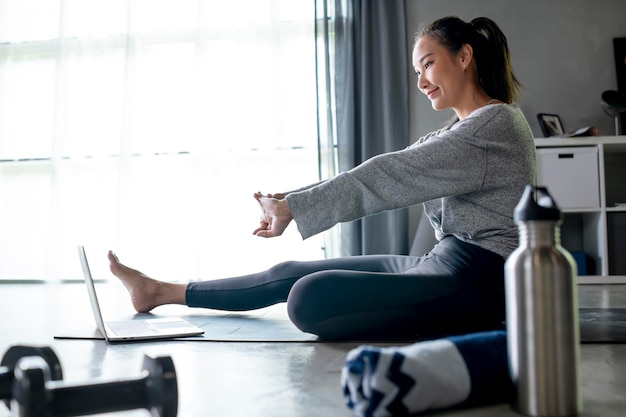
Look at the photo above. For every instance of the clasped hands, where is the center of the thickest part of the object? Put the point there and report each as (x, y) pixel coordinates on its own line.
(275, 216)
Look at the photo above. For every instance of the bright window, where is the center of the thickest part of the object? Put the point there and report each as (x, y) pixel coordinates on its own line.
(145, 126)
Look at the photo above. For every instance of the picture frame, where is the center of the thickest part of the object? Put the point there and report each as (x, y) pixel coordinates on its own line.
(550, 125)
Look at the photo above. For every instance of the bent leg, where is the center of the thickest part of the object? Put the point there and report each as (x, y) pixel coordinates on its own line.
(457, 288)
(358, 305)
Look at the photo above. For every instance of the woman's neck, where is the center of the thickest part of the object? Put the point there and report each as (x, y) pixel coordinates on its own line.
(476, 102)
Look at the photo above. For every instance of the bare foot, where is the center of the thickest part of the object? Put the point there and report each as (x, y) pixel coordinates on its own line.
(146, 293)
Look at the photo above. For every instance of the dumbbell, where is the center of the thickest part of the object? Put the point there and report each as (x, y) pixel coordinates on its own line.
(35, 395)
(14, 354)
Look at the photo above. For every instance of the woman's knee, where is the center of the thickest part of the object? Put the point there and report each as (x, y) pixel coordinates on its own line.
(308, 301)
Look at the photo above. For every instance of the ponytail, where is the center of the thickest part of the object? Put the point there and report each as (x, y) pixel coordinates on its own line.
(491, 52)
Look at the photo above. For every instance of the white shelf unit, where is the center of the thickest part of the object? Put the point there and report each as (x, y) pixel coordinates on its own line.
(589, 176)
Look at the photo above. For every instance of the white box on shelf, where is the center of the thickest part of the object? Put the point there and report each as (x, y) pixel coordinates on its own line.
(571, 175)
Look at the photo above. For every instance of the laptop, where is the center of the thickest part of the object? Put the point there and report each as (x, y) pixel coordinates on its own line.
(126, 330)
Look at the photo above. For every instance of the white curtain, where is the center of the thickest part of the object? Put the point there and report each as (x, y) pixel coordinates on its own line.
(145, 126)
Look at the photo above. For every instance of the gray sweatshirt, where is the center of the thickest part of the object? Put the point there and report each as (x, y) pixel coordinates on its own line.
(469, 177)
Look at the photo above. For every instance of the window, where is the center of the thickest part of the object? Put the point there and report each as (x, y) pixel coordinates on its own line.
(145, 126)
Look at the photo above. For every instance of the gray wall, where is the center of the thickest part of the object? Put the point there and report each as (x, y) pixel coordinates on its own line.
(562, 52)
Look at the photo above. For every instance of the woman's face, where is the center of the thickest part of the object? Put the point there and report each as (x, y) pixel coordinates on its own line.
(440, 73)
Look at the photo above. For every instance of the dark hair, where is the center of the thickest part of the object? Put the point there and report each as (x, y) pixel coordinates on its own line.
(491, 52)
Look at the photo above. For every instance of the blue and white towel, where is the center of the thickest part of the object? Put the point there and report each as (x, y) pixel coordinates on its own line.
(397, 381)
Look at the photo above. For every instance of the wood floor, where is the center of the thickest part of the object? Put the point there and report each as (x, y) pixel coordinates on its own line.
(237, 379)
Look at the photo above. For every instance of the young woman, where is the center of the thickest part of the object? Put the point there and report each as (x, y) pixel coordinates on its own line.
(469, 176)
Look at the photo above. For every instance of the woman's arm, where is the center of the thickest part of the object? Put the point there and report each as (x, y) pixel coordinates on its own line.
(451, 163)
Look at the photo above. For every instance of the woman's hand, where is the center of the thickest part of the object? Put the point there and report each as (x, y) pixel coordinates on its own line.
(276, 214)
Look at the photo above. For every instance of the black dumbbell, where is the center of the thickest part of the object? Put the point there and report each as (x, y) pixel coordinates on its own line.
(35, 395)
(14, 354)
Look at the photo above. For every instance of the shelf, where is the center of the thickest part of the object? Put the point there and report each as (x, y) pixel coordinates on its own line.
(596, 233)
(612, 143)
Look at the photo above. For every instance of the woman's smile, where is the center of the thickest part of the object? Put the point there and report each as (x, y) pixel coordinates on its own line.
(431, 92)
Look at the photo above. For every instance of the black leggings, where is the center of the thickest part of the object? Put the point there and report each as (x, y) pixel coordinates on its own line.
(455, 288)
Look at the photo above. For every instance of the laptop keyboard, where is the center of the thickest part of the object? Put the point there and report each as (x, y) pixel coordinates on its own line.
(132, 328)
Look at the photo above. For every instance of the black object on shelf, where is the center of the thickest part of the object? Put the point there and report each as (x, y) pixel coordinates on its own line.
(614, 104)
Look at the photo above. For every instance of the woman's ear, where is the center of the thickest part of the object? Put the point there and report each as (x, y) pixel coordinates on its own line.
(466, 54)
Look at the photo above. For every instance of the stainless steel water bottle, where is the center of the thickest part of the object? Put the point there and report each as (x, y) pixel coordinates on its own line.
(542, 312)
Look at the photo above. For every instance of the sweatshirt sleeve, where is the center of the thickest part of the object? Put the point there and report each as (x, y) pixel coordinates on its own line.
(450, 163)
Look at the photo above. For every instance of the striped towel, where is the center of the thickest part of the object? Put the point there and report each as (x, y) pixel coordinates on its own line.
(396, 381)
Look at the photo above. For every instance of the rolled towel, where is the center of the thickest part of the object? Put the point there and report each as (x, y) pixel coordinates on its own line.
(397, 381)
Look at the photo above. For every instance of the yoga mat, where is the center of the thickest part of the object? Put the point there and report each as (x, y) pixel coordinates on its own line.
(270, 324)
(602, 325)
(251, 328)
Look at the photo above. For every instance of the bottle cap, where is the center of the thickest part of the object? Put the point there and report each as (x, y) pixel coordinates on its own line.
(536, 204)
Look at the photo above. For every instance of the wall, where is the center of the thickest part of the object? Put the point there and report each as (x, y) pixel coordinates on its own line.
(562, 52)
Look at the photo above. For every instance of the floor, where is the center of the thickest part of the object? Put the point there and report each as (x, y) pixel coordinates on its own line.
(234, 379)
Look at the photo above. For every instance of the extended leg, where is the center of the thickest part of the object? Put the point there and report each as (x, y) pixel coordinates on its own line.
(274, 285)
(246, 292)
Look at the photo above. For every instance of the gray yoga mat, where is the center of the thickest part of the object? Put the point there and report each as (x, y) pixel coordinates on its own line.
(269, 324)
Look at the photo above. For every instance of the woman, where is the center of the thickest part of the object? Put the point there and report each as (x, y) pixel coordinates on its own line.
(469, 176)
